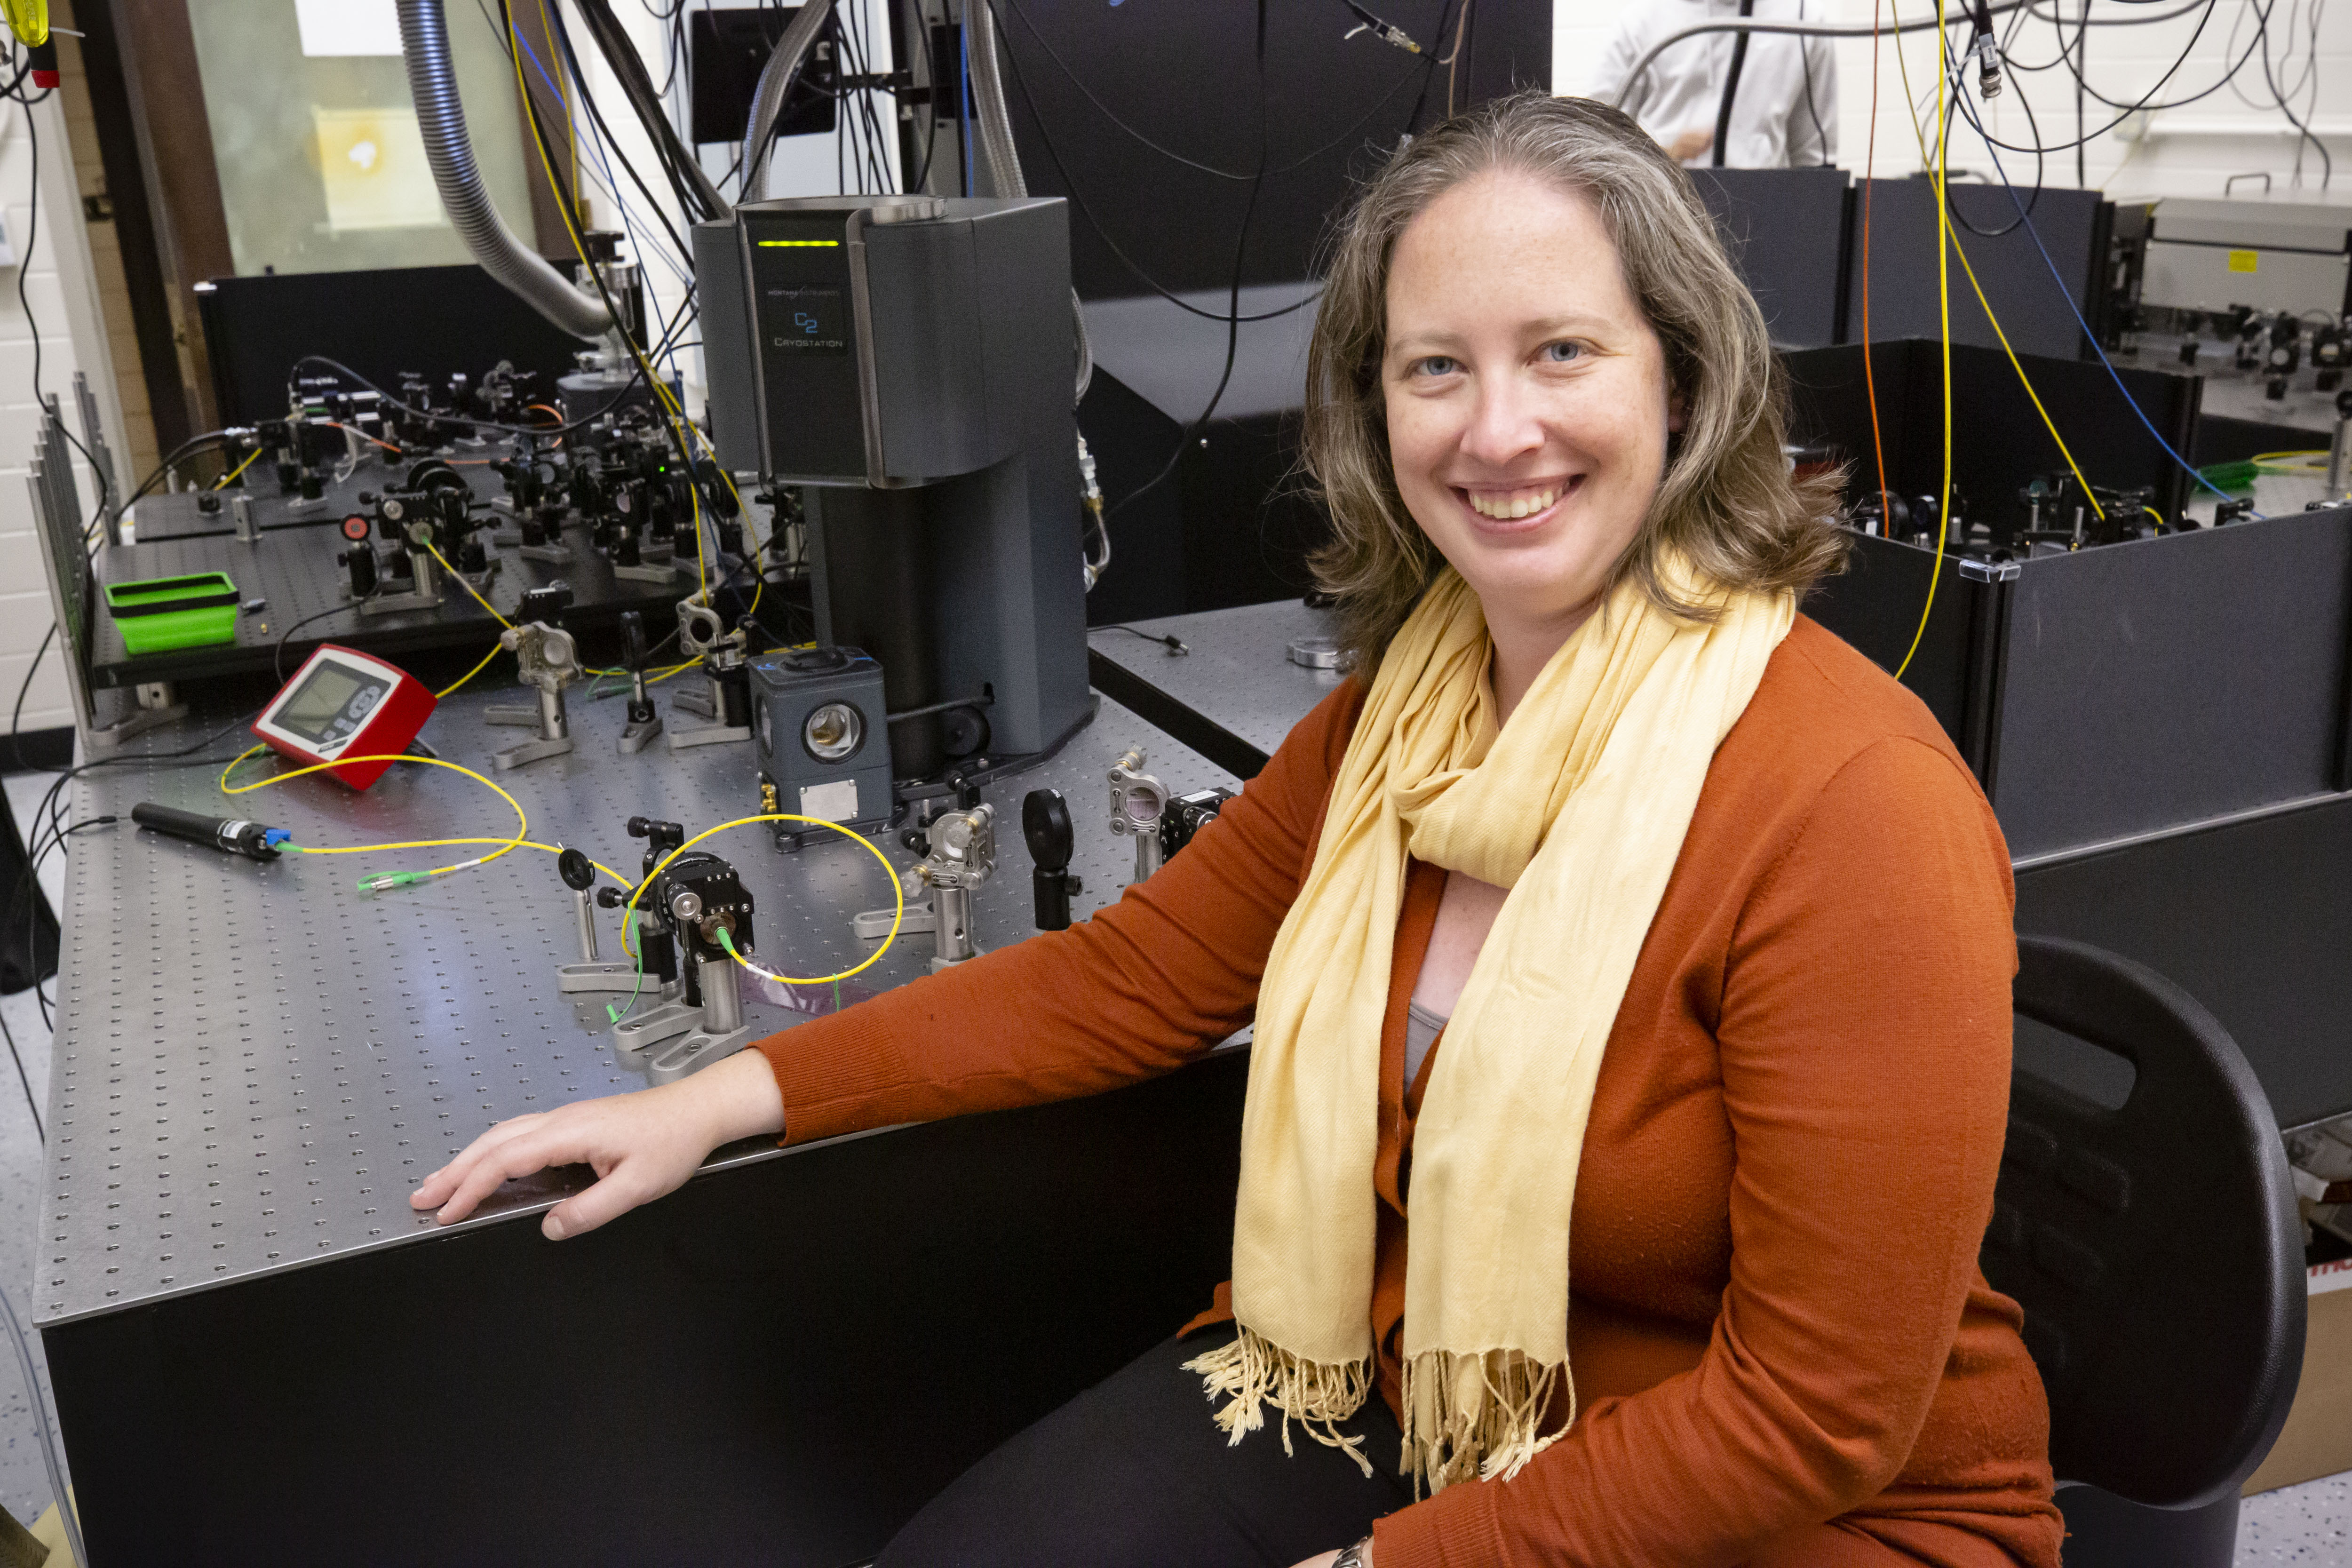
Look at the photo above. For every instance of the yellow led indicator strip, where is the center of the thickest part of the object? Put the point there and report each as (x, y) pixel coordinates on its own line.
(790, 244)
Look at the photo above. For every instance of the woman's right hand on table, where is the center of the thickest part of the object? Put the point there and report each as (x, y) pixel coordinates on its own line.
(642, 1146)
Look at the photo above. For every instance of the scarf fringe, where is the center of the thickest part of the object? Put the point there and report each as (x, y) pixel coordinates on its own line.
(1476, 1417)
(1253, 1372)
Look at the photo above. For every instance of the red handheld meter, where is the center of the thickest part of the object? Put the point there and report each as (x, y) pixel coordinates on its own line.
(343, 702)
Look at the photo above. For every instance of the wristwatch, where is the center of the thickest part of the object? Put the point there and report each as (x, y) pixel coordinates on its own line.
(1353, 1557)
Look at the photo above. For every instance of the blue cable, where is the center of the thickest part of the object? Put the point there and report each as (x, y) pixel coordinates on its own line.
(963, 102)
(2089, 336)
(604, 169)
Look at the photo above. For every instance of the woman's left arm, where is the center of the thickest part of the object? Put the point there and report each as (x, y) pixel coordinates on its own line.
(1864, 1043)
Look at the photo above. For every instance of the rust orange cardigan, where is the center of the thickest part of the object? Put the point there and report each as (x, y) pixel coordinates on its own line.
(1784, 1351)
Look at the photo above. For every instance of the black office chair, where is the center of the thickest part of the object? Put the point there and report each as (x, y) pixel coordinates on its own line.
(2157, 1253)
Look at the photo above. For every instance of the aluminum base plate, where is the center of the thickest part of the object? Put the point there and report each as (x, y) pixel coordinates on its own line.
(389, 603)
(668, 1064)
(513, 757)
(681, 736)
(580, 977)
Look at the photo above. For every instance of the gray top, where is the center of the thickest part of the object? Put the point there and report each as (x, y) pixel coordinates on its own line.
(255, 1064)
(1421, 1028)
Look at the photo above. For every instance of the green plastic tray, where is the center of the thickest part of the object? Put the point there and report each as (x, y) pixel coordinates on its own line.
(160, 614)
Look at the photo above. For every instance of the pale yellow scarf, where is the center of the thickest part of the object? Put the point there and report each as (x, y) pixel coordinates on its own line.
(1579, 805)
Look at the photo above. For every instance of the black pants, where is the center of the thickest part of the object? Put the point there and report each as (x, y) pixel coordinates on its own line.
(1134, 1473)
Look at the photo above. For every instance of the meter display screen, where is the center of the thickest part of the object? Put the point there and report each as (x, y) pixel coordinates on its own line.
(332, 705)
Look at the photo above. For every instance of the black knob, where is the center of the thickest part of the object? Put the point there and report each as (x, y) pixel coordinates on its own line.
(208, 503)
(664, 835)
(611, 898)
(1045, 824)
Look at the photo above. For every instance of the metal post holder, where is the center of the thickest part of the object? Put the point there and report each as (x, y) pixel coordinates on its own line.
(1137, 802)
(548, 660)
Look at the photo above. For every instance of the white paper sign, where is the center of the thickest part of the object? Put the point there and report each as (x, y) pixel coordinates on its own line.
(348, 26)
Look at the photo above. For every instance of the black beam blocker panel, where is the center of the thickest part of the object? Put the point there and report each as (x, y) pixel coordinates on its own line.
(2074, 227)
(2174, 681)
(1184, 76)
(1788, 232)
(2000, 444)
(435, 320)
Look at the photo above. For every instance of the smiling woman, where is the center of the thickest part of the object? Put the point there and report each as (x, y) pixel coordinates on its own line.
(1592, 270)
(1628, 963)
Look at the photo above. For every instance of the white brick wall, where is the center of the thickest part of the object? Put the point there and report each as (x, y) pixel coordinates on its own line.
(24, 595)
(2189, 151)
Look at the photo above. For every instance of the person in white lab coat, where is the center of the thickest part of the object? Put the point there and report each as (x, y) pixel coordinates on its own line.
(1784, 111)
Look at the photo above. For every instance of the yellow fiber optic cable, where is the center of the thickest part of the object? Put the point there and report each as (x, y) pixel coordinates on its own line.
(510, 843)
(1944, 308)
(897, 890)
(397, 878)
(2026, 380)
(2014, 363)
(670, 410)
(223, 482)
(232, 766)
(226, 788)
(458, 578)
(496, 649)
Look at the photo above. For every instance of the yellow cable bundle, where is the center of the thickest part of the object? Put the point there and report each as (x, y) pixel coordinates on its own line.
(1944, 307)
(28, 19)
(671, 413)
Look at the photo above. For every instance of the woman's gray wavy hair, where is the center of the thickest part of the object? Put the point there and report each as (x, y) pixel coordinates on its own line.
(1728, 499)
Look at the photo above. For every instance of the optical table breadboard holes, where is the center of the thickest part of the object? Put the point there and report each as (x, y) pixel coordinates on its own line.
(254, 1065)
(1238, 676)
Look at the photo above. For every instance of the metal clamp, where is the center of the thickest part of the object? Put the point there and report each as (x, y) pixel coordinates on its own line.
(548, 660)
(1137, 802)
(723, 655)
(962, 858)
(425, 572)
